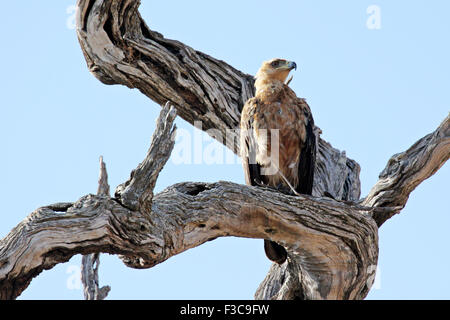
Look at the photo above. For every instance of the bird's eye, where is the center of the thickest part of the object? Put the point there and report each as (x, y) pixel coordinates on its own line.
(275, 63)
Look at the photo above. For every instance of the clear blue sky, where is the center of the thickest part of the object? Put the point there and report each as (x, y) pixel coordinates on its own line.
(374, 92)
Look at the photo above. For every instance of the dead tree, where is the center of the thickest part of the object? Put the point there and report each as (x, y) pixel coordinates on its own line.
(332, 244)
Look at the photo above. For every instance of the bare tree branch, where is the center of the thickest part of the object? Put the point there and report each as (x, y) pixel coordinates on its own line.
(120, 49)
(185, 216)
(328, 234)
(91, 262)
(332, 244)
(89, 278)
(137, 192)
(103, 185)
(53, 234)
(169, 70)
(406, 170)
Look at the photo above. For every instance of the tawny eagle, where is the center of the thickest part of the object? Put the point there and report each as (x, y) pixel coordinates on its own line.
(278, 144)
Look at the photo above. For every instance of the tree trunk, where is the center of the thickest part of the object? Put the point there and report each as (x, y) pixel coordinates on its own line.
(332, 241)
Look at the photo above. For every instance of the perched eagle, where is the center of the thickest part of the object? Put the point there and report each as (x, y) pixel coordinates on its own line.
(278, 144)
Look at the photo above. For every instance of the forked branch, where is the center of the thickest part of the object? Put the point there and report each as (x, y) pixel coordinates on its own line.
(336, 241)
(91, 262)
(332, 244)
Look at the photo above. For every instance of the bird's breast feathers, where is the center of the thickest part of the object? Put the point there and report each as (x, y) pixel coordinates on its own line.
(275, 123)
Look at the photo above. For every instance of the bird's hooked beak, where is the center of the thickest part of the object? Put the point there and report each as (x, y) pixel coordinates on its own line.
(287, 65)
(292, 65)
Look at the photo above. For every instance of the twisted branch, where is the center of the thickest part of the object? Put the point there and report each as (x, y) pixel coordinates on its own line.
(91, 262)
(332, 244)
(405, 171)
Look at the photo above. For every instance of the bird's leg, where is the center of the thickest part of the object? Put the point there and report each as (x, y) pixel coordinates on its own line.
(283, 188)
(329, 195)
(260, 184)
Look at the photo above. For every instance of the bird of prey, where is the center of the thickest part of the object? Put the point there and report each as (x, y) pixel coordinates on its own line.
(278, 144)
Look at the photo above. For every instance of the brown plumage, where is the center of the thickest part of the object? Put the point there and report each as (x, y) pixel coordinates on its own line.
(278, 145)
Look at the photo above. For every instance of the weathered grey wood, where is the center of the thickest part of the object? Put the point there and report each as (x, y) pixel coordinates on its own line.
(47, 237)
(336, 174)
(201, 87)
(332, 244)
(405, 171)
(332, 237)
(91, 262)
(137, 192)
(121, 49)
(89, 277)
(103, 185)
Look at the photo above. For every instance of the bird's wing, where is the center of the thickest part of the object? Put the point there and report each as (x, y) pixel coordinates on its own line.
(252, 169)
(307, 152)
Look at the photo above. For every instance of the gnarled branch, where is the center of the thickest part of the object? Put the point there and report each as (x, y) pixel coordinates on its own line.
(202, 89)
(406, 170)
(332, 244)
(120, 49)
(91, 262)
(332, 237)
(137, 192)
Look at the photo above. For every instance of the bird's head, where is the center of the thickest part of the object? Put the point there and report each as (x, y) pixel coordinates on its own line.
(274, 70)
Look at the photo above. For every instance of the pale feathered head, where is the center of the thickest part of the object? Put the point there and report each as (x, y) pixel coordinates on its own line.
(275, 70)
